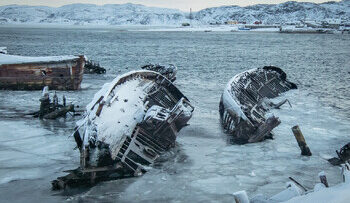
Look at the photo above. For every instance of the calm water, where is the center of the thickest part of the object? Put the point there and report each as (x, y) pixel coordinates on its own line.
(204, 167)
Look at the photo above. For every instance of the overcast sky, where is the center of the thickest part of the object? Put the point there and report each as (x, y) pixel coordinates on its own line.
(184, 5)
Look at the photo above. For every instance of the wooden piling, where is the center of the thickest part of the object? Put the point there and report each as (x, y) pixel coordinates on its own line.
(241, 197)
(323, 178)
(305, 150)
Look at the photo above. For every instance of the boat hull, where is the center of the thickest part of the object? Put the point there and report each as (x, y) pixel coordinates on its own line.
(57, 75)
(245, 102)
(129, 124)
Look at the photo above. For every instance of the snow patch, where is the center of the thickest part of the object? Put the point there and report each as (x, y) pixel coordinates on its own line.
(15, 59)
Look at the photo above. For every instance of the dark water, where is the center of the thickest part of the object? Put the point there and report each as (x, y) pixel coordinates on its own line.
(33, 152)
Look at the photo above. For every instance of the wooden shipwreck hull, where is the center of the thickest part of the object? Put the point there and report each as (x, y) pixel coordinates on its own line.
(245, 102)
(128, 125)
(34, 73)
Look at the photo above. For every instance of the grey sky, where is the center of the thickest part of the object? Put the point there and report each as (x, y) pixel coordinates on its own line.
(184, 5)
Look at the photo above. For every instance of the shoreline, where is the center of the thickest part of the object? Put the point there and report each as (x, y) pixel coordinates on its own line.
(178, 28)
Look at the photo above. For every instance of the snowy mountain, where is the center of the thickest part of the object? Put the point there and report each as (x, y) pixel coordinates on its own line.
(278, 13)
(135, 14)
(109, 14)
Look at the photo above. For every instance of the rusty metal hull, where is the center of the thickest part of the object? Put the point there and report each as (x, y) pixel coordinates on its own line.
(58, 75)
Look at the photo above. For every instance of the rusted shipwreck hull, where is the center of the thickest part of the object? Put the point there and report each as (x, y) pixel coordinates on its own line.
(245, 102)
(34, 73)
(128, 125)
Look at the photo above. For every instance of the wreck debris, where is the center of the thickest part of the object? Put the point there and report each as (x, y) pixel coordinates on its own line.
(92, 67)
(297, 183)
(52, 110)
(292, 190)
(168, 72)
(241, 197)
(320, 192)
(305, 150)
(323, 178)
(343, 155)
(245, 101)
(33, 73)
(128, 125)
(3, 50)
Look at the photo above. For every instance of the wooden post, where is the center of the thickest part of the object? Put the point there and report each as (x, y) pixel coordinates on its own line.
(345, 172)
(305, 150)
(241, 197)
(323, 178)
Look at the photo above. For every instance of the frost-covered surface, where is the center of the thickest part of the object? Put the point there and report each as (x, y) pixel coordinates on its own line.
(229, 100)
(135, 14)
(14, 59)
(79, 14)
(280, 13)
(123, 109)
(122, 116)
(291, 191)
(204, 168)
(339, 193)
(156, 110)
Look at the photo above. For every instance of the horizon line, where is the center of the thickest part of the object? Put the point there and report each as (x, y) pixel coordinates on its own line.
(59, 6)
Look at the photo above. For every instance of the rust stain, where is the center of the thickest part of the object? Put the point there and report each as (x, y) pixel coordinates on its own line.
(60, 75)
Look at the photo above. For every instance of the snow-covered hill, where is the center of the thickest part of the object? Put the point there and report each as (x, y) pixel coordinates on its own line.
(109, 14)
(278, 13)
(135, 14)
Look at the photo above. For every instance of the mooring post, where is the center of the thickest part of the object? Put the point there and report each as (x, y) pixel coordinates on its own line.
(44, 104)
(64, 100)
(241, 197)
(305, 150)
(323, 178)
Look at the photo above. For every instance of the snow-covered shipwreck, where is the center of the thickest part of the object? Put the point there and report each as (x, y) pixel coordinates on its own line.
(245, 102)
(128, 125)
(34, 73)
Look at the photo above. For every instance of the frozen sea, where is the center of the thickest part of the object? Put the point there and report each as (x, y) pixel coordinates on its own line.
(204, 166)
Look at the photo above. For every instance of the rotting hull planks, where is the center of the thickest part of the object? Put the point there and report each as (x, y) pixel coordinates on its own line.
(57, 75)
(245, 101)
(130, 123)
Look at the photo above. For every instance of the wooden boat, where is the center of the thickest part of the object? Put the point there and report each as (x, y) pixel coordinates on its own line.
(245, 102)
(130, 123)
(34, 73)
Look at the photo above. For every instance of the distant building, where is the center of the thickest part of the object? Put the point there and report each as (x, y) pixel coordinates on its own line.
(331, 23)
(231, 22)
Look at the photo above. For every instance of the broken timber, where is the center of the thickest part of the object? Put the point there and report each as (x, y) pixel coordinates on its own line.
(167, 71)
(129, 124)
(305, 150)
(91, 67)
(343, 155)
(52, 110)
(245, 101)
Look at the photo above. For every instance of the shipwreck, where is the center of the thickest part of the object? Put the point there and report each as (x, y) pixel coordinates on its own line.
(167, 71)
(52, 109)
(92, 67)
(34, 73)
(129, 124)
(245, 101)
